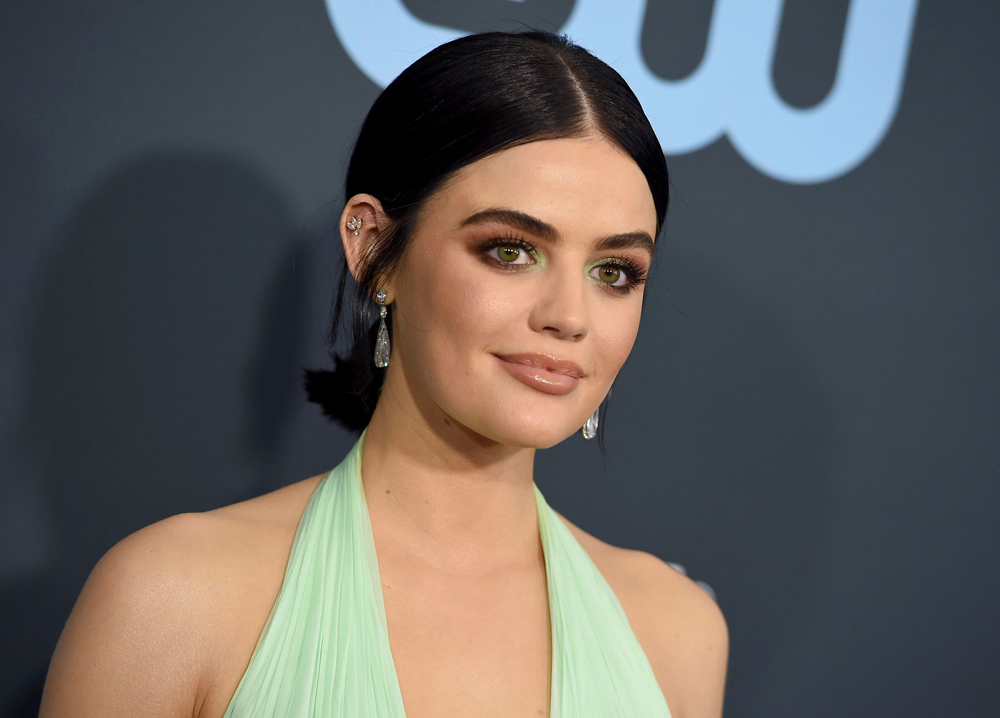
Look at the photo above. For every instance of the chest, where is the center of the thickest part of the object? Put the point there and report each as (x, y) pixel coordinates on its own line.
(469, 643)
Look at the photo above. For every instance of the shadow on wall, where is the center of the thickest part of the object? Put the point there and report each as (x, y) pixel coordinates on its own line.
(164, 372)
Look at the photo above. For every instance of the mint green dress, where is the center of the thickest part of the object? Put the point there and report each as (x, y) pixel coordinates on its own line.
(324, 650)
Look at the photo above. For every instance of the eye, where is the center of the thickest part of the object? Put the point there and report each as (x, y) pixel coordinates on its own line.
(509, 254)
(611, 274)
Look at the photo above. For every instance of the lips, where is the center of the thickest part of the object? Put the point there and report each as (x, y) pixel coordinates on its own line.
(542, 372)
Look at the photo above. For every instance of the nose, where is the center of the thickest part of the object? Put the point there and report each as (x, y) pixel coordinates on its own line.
(561, 308)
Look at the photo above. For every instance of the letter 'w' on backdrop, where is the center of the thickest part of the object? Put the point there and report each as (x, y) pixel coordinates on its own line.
(730, 93)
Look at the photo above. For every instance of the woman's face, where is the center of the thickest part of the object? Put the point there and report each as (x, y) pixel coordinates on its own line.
(518, 299)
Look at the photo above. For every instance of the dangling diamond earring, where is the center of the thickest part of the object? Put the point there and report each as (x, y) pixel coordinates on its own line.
(355, 224)
(382, 343)
(589, 429)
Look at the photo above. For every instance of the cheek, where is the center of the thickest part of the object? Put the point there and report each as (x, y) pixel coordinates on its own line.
(614, 331)
(453, 307)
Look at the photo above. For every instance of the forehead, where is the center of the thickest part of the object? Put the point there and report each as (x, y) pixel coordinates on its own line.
(583, 186)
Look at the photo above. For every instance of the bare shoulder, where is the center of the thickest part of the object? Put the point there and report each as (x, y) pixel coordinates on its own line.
(680, 627)
(169, 616)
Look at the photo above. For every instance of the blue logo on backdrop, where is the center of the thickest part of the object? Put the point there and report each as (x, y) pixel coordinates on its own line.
(730, 93)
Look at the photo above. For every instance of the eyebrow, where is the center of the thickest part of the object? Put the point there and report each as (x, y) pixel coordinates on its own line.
(626, 240)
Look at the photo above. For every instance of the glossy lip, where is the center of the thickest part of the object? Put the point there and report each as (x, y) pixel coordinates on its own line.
(542, 372)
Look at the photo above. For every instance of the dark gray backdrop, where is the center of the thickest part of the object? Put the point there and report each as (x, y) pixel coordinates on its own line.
(809, 421)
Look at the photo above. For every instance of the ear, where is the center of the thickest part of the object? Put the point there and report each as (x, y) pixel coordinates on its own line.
(358, 242)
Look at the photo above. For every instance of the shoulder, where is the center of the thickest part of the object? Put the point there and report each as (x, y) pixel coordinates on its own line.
(171, 604)
(680, 627)
(194, 561)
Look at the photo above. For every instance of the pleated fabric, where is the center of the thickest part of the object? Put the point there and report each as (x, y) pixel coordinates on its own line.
(324, 650)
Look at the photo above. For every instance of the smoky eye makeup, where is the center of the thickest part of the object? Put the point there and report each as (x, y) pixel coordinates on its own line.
(618, 274)
(510, 252)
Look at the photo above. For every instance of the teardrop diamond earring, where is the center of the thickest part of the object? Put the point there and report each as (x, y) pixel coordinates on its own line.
(589, 429)
(382, 343)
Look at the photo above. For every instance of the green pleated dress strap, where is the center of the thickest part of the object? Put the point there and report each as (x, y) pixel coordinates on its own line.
(324, 650)
(598, 667)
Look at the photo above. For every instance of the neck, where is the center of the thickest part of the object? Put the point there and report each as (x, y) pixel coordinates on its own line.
(443, 491)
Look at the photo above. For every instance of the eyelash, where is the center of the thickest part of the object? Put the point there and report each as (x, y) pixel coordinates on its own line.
(635, 275)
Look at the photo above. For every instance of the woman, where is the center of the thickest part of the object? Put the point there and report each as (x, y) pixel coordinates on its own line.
(502, 205)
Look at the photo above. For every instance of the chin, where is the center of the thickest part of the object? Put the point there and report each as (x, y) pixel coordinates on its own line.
(533, 441)
(530, 432)
(514, 415)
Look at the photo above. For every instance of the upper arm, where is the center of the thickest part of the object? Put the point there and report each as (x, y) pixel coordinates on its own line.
(132, 645)
(685, 637)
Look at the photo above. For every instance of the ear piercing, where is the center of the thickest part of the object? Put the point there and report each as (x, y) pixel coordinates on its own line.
(355, 224)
